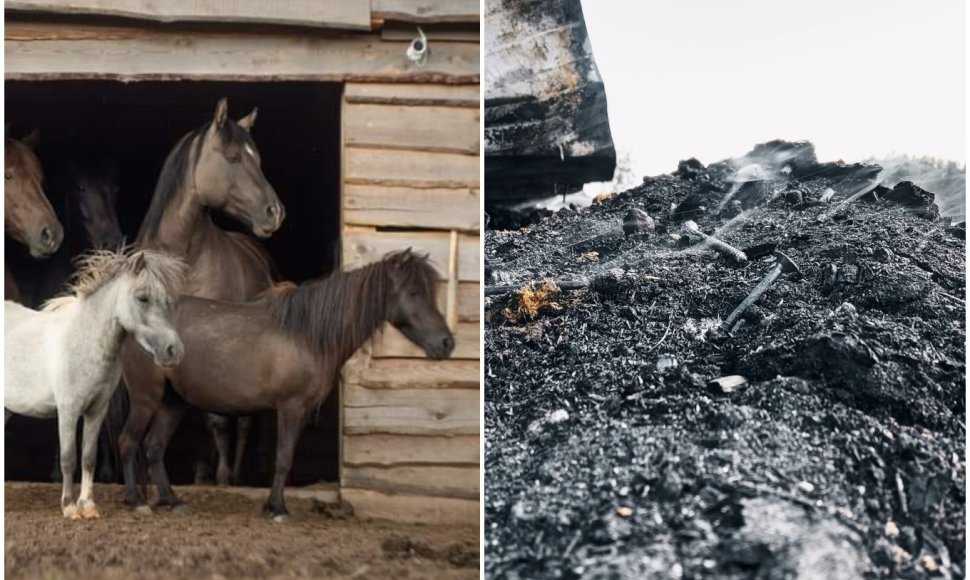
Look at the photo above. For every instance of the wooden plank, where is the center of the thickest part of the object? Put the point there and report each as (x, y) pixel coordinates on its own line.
(418, 509)
(410, 411)
(317, 13)
(363, 246)
(382, 449)
(402, 31)
(413, 94)
(451, 308)
(392, 344)
(436, 480)
(69, 51)
(469, 301)
(416, 373)
(421, 128)
(427, 10)
(426, 208)
(410, 168)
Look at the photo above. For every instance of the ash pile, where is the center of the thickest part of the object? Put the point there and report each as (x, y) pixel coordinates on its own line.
(643, 421)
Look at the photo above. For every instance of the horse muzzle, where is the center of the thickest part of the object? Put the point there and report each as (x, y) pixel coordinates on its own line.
(170, 354)
(47, 241)
(275, 214)
(440, 349)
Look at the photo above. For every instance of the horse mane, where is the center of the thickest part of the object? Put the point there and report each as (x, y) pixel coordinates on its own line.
(345, 308)
(179, 164)
(97, 268)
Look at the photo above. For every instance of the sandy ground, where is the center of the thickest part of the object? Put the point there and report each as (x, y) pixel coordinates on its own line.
(224, 536)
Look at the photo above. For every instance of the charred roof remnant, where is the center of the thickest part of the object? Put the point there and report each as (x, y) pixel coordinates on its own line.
(546, 126)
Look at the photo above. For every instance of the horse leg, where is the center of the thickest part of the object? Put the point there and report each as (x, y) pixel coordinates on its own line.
(106, 462)
(243, 424)
(166, 421)
(289, 423)
(129, 442)
(219, 427)
(93, 418)
(66, 425)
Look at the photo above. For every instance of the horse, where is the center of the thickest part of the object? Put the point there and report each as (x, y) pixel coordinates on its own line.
(84, 189)
(282, 351)
(64, 360)
(29, 217)
(216, 168)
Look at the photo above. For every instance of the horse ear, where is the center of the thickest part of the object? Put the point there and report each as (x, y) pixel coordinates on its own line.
(32, 139)
(222, 111)
(139, 264)
(248, 121)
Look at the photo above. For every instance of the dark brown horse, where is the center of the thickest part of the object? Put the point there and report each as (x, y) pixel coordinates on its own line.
(216, 168)
(282, 352)
(29, 217)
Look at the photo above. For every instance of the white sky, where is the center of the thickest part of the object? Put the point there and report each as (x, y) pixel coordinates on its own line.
(710, 78)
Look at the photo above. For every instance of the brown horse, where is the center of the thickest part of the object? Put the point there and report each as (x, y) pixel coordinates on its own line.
(216, 168)
(29, 217)
(282, 352)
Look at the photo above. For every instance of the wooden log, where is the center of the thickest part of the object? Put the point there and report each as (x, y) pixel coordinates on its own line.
(417, 169)
(392, 344)
(410, 411)
(316, 13)
(425, 208)
(436, 480)
(382, 449)
(48, 51)
(546, 125)
(419, 128)
(416, 373)
(364, 245)
(427, 10)
(421, 509)
(413, 94)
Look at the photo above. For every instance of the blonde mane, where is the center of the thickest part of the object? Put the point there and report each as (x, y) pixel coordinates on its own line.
(97, 268)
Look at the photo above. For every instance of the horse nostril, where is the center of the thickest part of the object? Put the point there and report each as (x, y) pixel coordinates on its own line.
(170, 351)
(271, 210)
(46, 236)
(448, 342)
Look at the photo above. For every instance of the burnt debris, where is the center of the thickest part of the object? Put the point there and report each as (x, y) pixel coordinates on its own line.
(831, 424)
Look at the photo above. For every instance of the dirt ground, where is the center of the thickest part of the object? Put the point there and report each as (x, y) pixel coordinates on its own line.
(224, 536)
(610, 452)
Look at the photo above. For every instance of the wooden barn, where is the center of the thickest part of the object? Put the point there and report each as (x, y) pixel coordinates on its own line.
(370, 151)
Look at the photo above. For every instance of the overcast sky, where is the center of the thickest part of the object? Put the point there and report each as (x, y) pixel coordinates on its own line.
(710, 78)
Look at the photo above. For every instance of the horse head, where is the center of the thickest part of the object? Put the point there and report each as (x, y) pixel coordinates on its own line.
(29, 217)
(228, 174)
(412, 306)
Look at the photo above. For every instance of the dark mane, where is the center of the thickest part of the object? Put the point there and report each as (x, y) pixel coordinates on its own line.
(178, 166)
(343, 309)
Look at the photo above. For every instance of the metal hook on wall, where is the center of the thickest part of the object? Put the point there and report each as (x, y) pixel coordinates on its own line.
(418, 50)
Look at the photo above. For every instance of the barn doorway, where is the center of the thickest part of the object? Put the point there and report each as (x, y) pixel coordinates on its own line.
(298, 134)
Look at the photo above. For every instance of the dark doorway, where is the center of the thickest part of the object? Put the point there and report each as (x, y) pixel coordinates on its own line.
(298, 135)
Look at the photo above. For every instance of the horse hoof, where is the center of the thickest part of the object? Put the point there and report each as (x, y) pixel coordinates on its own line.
(143, 510)
(181, 509)
(281, 518)
(90, 512)
(71, 512)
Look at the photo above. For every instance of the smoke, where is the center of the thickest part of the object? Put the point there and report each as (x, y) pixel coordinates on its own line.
(947, 179)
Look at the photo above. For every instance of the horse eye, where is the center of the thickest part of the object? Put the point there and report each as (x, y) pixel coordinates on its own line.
(8, 175)
(142, 298)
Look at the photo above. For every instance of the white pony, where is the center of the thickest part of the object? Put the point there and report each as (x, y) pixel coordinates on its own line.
(63, 359)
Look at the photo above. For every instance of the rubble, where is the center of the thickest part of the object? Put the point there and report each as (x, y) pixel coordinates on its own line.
(855, 385)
